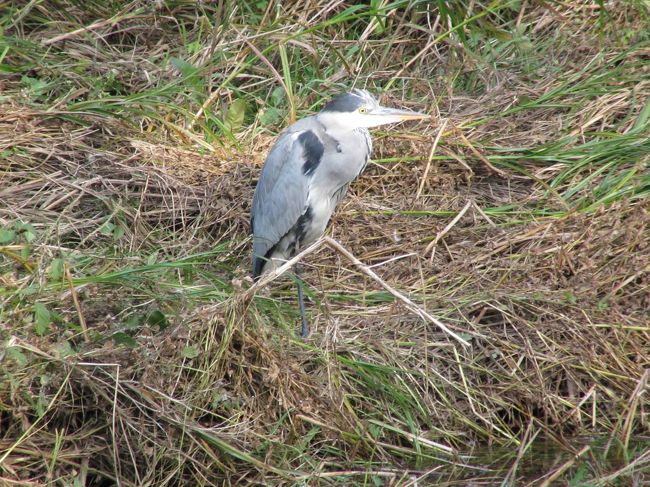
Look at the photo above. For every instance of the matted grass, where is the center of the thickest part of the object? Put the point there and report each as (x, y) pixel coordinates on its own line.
(131, 136)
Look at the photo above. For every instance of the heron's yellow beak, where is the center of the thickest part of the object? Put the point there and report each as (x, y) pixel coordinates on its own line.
(395, 115)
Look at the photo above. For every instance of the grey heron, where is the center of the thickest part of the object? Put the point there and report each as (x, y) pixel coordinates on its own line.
(307, 173)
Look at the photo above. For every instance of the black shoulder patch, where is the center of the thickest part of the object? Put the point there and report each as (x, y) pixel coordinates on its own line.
(313, 151)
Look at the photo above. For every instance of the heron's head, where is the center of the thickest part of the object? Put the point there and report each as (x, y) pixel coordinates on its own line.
(359, 109)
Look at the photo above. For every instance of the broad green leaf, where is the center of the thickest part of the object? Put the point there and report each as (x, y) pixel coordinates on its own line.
(41, 404)
(157, 318)
(189, 72)
(25, 251)
(56, 269)
(271, 116)
(132, 322)
(107, 228)
(121, 338)
(64, 349)
(118, 232)
(35, 86)
(6, 236)
(27, 230)
(235, 114)
(190, 352)
(14, 353)
(278, 96)
(42, 318)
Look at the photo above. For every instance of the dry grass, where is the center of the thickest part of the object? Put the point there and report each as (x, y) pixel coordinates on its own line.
(130, 355)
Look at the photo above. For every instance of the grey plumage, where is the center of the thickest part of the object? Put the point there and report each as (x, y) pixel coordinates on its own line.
(308, 171)
(304, 177)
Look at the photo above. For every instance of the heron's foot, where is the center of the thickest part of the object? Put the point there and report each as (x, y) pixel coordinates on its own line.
(304, 330)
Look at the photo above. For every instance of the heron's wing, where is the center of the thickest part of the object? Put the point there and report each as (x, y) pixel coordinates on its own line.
(281, 194)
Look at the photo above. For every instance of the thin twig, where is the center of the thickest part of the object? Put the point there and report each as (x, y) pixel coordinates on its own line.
(407, 302)
(432, 246)
(278, 271)
(564, 467)
(75, 299)
(412, 60)
(433, 150)
(458, 159)
(482, 213)
(276, 75)
(634, 400)
(480, 156)
(638, 463)
(89, 28)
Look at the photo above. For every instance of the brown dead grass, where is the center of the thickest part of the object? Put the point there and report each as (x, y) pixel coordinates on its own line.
(555, 308)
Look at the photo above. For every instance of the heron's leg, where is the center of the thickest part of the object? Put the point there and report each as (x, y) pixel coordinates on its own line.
(304, 331)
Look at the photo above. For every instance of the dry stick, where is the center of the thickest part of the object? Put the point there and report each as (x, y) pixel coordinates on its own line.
(639, 461)
(112, 21)
(407, 302)
(639, 390)
(432, 246)
(459, 160)
(522, 9)
(480, 156)
(433, 150)
(17, 257)
(527, 440)
(500, 246)
(213, 96)
(277, 76)
(277, 272)
(564, 467)
(482, 213)
(75, 299)
(374, 22)
(627, 281)
(216, 93)
(413, 59)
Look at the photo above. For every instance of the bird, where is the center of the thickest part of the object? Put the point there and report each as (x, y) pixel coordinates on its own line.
(307, 173)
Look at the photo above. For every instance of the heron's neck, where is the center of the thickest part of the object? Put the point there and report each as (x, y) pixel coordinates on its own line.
(342, 133)
(336, 126)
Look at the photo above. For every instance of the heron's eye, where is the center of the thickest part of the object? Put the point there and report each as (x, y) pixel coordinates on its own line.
(363, 110)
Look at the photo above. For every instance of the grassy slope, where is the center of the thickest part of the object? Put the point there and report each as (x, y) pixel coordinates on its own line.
(129, 154)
